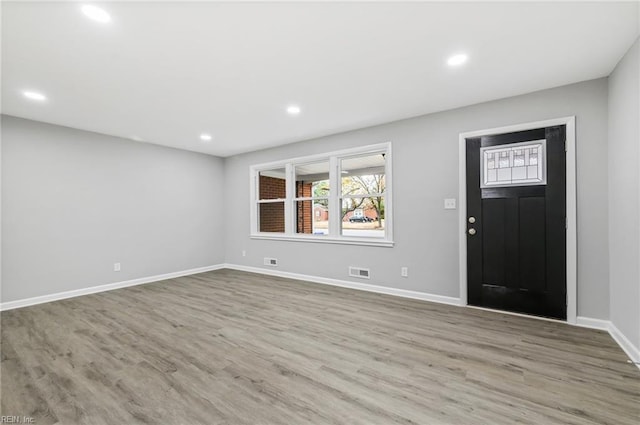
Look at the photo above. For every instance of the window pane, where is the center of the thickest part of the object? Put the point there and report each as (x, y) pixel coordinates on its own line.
(363, 175)
(312, 180)
(271, 217)
(363, 217)
(312, 217)
(515, 164)
(272, 184)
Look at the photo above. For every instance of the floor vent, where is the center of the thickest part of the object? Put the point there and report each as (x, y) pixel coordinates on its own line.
(270, 262)
(359, 272)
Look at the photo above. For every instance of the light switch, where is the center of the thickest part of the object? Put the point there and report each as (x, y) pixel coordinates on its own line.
(450, 204)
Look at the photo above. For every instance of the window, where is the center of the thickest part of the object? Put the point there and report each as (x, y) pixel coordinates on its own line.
(516, 164)
(312, 189)
(271, 200)
(362, 185)
(339, 197)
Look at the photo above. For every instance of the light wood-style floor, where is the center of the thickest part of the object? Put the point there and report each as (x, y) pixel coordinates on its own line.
(229, 347)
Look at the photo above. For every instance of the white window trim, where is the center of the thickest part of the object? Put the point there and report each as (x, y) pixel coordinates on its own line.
(334, 236)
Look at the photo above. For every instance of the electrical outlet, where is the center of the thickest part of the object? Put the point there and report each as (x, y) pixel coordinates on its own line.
(244, 253)
(450, 204)
(404, 272)
(116, 267)
(273, 262)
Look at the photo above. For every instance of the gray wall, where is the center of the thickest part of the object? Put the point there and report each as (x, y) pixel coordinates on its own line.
(74, 203)
(425, 158)
(624, 195)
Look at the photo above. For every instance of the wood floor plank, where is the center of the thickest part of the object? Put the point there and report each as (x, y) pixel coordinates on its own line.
(229, 347)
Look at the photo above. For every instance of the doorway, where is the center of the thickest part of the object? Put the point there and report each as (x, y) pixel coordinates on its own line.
(518, 219)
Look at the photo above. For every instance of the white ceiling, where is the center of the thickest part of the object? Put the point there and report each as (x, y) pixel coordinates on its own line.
(166, 72)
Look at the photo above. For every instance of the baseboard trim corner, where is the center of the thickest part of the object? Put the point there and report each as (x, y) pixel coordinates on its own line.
(630, 350)
(26, 302)
(606, 325)
(404, 293)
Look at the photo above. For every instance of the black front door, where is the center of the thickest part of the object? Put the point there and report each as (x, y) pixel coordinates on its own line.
(516, 222)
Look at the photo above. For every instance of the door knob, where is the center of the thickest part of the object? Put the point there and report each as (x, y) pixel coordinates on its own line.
(472, 219)
(472, 231)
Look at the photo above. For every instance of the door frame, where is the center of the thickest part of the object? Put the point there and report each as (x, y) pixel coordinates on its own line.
(571, 213)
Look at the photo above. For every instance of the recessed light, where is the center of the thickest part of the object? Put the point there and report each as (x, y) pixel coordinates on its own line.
(457, 60)
(293, 109)
(34, 95)
(96, 13)
(206, 137)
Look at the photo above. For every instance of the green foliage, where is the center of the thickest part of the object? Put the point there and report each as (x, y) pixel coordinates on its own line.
(321, 188)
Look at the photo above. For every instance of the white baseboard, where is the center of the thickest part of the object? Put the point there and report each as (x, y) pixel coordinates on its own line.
(632, 351)
(352, 285)
(101, 288)
(588, 322)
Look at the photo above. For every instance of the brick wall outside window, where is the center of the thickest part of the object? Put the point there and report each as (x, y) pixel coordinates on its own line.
(272, 188)
(272, 214)
(304, 209)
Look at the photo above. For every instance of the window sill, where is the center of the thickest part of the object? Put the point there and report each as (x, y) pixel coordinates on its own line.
(324, 239)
